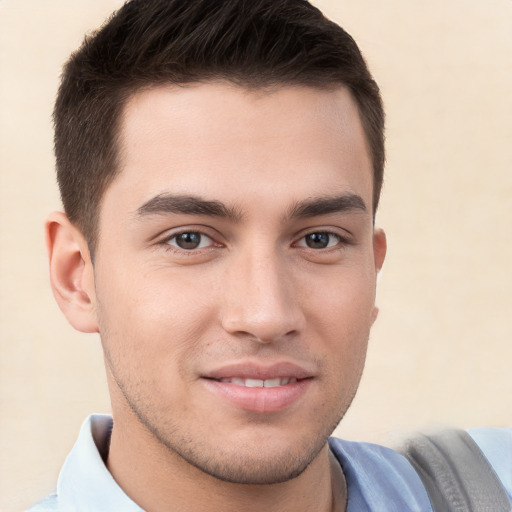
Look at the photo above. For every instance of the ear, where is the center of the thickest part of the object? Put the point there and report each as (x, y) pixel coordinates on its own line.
(379, 248)
(71, 272)
(379, 254)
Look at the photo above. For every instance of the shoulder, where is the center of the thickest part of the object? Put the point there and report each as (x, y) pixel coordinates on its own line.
(84, 481)
(496, 445)
(375, 473)
(49, 504)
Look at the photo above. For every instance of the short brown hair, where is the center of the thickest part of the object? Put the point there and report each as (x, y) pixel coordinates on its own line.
(252, 43)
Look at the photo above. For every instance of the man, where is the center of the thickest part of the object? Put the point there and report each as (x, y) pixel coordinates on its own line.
(220, 165)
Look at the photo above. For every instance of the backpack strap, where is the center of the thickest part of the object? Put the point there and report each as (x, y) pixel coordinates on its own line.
(455, 473)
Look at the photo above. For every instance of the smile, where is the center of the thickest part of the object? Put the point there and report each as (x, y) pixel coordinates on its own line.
(260, 383)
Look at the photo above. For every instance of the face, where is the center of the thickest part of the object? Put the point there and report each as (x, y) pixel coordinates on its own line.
(235, 274)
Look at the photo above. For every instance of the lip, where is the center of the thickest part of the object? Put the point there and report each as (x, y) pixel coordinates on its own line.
(259, 371)
(261, 399)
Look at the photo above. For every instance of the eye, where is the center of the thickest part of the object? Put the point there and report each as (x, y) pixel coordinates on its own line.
(190, 240)
(319, 240)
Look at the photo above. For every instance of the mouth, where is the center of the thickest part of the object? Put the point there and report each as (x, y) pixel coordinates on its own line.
(259, 383)
(257, 375)
(259, 389)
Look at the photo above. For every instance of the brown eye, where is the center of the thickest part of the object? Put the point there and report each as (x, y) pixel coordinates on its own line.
(190, 240)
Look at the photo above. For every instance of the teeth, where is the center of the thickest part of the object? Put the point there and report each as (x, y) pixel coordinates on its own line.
(259, 383)
(272, 383)
(254, 383)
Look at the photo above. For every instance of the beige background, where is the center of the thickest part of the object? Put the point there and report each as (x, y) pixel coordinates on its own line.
(441, 350)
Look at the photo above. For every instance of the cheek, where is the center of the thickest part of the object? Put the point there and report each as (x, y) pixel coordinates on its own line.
(153, 319)
(342, 300)
(340, 316)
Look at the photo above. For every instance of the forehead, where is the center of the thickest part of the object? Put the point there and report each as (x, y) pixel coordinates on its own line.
(221, 139)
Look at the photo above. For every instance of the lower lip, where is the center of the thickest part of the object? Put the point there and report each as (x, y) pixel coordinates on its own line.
(259, 400)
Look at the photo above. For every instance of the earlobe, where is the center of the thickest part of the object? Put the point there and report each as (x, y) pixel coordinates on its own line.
(71, 272)
(375, 314)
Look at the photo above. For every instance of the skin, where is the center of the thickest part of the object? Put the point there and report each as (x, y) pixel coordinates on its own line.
(277, 173)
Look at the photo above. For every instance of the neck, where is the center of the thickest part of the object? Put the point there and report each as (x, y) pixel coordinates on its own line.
(159, 480)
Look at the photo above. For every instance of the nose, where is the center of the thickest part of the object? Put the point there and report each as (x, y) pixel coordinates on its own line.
(261, 299)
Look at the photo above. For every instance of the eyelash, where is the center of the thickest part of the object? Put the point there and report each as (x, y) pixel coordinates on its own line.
(339, 240)
(167, 241)
(174, 248)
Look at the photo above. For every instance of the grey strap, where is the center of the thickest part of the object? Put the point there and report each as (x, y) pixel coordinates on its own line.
(456, 474)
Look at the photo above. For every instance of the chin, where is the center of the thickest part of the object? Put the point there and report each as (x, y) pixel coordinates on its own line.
(251, 469)
(254, 457)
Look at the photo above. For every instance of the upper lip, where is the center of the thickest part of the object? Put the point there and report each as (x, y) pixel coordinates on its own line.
(252, 370)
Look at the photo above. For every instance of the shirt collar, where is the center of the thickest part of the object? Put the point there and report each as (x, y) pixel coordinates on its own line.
(84, 482)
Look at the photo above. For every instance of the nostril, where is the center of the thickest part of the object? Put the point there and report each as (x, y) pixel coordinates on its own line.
(264, 311)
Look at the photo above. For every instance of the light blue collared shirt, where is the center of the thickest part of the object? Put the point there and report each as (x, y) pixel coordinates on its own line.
(378, 478)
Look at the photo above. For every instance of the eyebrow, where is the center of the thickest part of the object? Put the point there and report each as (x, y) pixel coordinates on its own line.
(188, 205)
(194, 205)
(314, 207)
